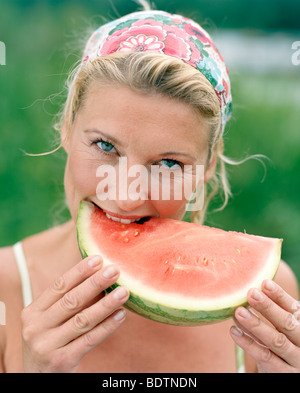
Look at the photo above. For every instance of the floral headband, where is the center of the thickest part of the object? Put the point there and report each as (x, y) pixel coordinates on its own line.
(172, 35)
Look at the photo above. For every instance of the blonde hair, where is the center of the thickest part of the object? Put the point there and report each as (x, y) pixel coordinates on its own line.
(154, 73)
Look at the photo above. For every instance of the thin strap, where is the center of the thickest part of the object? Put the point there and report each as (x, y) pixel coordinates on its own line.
(24, 274)
(240, 359)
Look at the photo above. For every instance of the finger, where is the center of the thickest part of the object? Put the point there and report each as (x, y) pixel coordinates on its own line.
(90, 317)
(67, 281)
(244, 328)
(274, 340)
(266, 359)
(79, 297)
(86, 342)
(284, 321)
(280, 297)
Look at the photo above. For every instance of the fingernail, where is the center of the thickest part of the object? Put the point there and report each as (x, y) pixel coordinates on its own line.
(257, 295)
(244, 313)
(236, 331)
(120, 292)
(120, 315)
(95, 261)
(110, 271)
(269, 285)
(292, 323)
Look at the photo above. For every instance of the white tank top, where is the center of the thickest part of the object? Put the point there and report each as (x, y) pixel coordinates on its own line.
(24, 274)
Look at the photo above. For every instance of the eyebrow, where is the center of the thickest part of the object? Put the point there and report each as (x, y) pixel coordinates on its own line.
(117, 142)
(112, 139)
(177, 153)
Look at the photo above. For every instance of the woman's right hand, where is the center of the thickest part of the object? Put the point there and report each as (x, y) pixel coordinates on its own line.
(68, 319)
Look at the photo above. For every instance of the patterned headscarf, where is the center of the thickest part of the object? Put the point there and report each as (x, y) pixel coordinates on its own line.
(172, 35)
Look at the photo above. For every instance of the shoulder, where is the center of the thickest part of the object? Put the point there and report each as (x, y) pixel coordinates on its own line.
(9, 277)
(10, 284)
(10, 294)
(287, 279)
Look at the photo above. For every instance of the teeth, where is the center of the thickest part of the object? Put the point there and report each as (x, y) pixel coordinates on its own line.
(126, 221)
(121, 220)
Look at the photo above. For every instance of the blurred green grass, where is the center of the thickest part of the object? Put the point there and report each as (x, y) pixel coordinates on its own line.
(41, 48)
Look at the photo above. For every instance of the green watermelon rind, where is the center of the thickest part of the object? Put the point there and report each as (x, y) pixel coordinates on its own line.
(173, 316)
(167, 313)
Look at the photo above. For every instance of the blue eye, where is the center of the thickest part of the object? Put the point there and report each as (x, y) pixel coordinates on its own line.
(171, 164)
(106, 146)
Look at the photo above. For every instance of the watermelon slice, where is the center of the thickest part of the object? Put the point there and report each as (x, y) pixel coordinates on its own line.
(177, 272)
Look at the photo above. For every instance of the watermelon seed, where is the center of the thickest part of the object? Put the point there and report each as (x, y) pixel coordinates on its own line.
(126, 240)
(166, 261)
(239, 251)
(205, 261)
(233, 260)
(136, 233)
(178, 259)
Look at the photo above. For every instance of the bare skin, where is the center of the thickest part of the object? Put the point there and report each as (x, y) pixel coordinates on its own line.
(70, 326)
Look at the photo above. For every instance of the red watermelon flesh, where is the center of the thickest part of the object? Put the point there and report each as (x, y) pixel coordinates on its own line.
(178, 272)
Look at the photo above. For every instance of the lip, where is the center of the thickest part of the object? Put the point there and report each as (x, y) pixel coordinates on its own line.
(119, 215)
(123, 217)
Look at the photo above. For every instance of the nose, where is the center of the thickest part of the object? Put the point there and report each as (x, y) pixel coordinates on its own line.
(129, 205)
(132, 186)
(127, 185)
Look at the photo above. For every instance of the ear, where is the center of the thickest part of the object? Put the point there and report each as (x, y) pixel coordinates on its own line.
(211, 168)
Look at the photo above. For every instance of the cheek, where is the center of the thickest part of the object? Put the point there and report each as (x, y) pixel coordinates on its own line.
(170, 209)
(172, 202)
(80, 179)
(175, 194)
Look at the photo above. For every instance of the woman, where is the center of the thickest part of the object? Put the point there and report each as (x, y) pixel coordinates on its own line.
(152, 88)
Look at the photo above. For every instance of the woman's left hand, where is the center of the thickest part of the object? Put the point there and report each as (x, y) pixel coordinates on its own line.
(276, 348)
